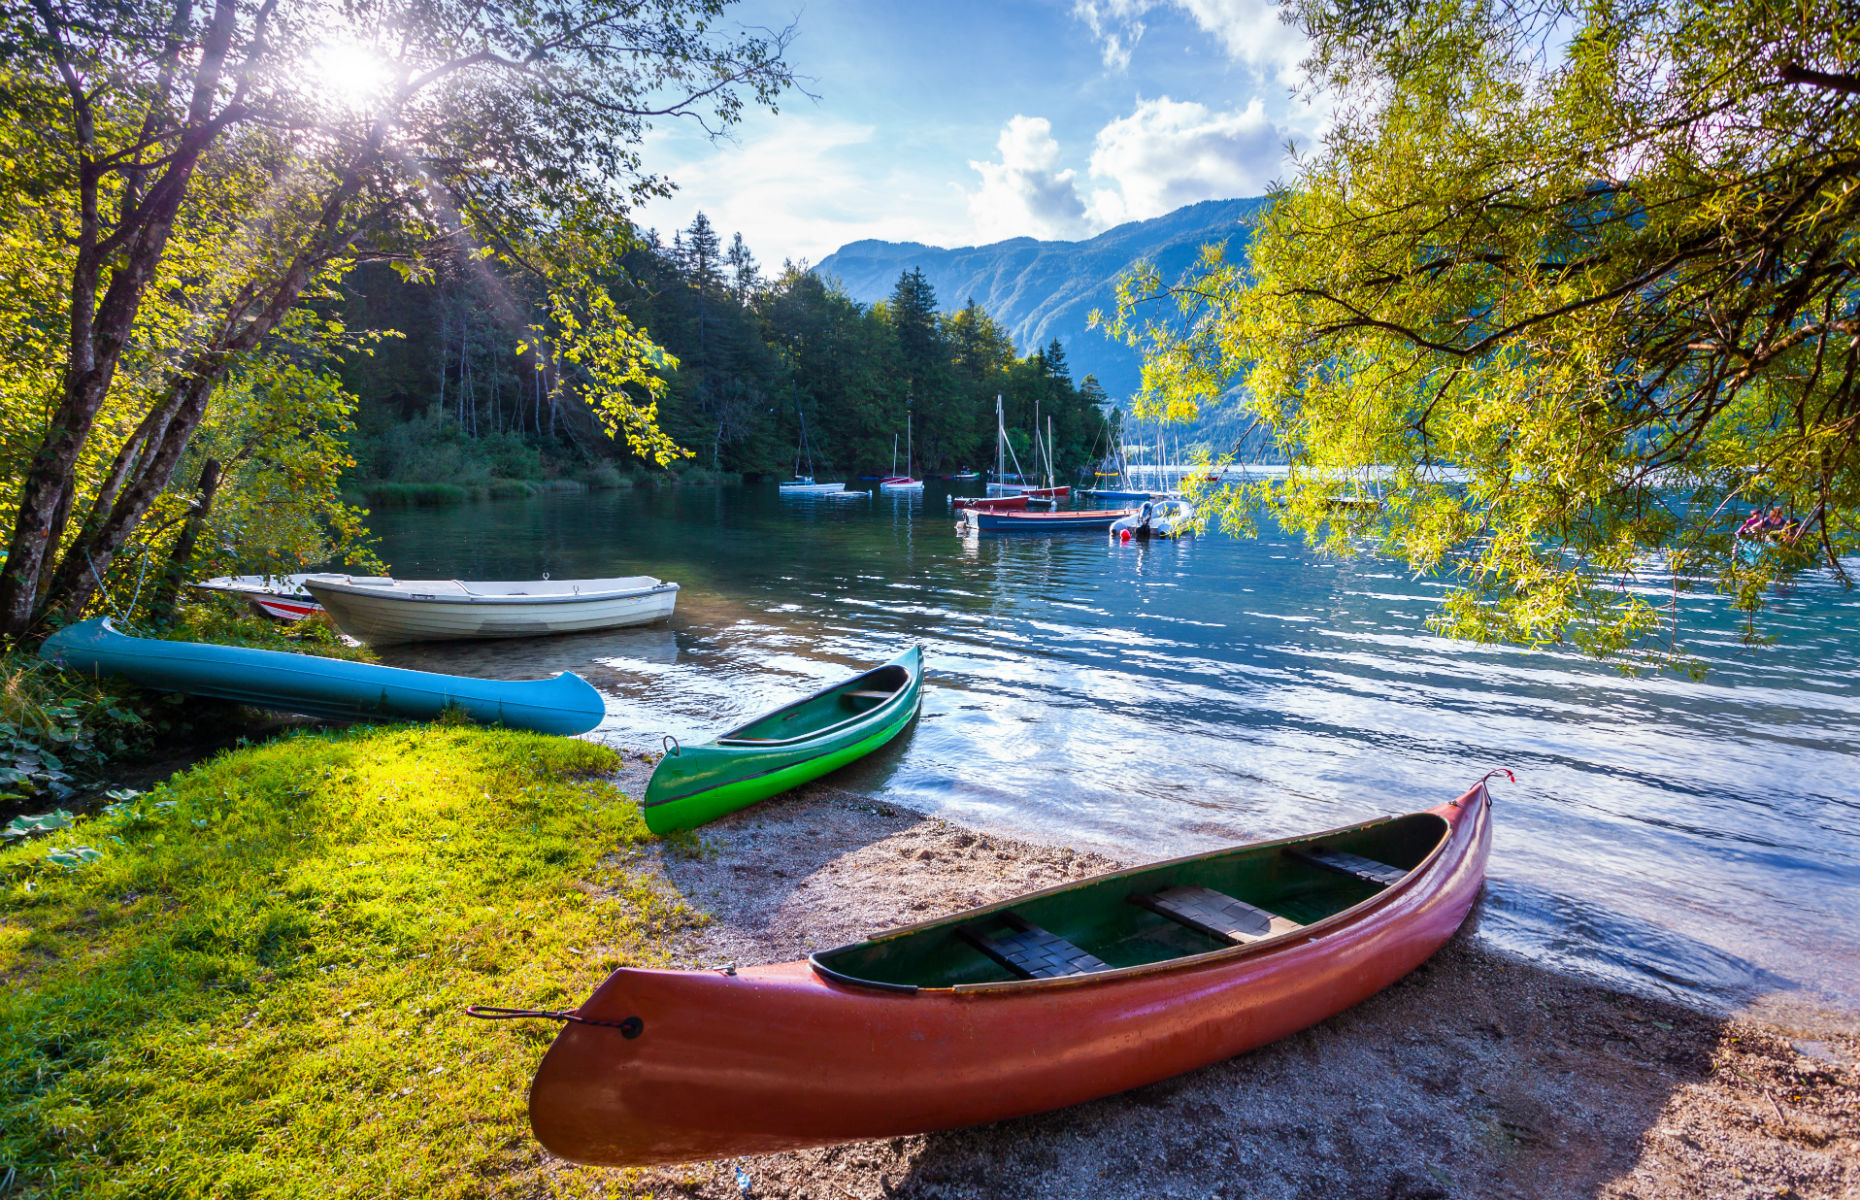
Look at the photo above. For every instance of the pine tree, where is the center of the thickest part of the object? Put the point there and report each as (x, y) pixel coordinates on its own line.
(745, 275)
(703, 255)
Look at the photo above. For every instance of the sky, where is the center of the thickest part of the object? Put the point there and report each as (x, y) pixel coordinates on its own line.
(959, 123)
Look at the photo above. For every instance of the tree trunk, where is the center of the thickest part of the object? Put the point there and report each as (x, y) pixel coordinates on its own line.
(162, 606)
(101, 328)
(89, 558)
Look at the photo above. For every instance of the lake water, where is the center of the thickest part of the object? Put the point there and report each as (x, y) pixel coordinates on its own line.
(1696, 838)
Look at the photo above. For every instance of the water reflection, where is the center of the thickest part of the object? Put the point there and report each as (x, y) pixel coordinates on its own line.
(1161, 698)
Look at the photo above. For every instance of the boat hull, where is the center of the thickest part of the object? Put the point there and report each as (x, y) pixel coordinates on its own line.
(779, 1058)
(281, 597)
(324, 687)
(989, 503)
(1044, 522)
(283, 608)
(697, 784)
(385, 620)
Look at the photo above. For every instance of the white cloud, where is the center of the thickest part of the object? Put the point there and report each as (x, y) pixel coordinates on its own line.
(1026, 193)
(1249, 31)
(801, 186)
(1168, 153)
(1118, 26)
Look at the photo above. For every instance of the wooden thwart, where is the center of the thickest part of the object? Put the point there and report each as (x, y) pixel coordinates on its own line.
(1366, 869)
(1216, 914)
(1032, 952)
(868, 695)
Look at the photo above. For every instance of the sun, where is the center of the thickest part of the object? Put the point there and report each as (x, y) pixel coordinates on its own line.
(350, 75)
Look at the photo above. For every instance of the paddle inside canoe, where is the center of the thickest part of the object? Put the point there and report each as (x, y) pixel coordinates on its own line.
(784, 748)
(1148, 916)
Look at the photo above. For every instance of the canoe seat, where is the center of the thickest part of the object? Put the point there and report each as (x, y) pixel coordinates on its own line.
(1355, 865)
(1216, 914)
(1032, 952)
(868, 695)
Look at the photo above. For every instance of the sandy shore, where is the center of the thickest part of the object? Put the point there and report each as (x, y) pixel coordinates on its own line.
(1477, 1076)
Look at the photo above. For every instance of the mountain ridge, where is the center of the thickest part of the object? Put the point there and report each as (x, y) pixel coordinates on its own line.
(1040, 290)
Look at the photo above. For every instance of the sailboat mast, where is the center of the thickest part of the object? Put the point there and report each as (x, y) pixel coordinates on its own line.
(907, 445)
(1052, 474)
(1000, 441)
(1036, 438)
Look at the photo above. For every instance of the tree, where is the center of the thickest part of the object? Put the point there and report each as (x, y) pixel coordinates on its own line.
(944, 427)
(745, 278)
(204, 169)
(1572, 286)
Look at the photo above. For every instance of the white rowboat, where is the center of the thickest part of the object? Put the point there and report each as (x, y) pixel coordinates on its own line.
(383, 612)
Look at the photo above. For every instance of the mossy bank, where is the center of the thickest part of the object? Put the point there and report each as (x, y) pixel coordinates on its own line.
(252, 979)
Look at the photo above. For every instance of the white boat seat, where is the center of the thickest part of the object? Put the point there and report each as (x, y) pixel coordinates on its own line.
(1354, 865)
(1032, 952)
(1216, 914)
(868, 695)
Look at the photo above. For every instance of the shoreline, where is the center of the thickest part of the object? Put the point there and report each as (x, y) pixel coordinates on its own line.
(1478, 1075)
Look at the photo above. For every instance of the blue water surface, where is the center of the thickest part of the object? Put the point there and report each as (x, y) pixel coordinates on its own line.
(1696, 838)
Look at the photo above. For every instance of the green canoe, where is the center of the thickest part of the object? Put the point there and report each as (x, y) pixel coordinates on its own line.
(785, 748)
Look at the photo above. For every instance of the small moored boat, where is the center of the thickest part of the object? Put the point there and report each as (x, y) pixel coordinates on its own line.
(804, 485)
(990, 503)
(906, 482)
(383, 612)
(281, 597)
(1018, 1007)
(1156, 518)
(323, 687)
(786, 748)
(1120, 497)
(987, 521)
(1032, 491)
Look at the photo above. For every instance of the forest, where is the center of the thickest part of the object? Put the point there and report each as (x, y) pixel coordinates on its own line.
(456, 393)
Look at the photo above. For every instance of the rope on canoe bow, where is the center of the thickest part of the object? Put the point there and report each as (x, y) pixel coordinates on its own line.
(630, 1027)
(1496, 771)
(670, 745)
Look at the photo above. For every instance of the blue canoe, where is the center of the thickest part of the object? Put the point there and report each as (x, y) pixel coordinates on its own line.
(323, 687)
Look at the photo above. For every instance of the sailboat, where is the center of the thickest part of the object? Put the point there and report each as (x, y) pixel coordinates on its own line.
(1000, 486)
(895, 482)
(1115, 471)
(804, 485)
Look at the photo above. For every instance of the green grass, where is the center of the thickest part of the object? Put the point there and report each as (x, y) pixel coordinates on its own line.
(256, 987)
(411, 495)
(229, 622)
(389, 494)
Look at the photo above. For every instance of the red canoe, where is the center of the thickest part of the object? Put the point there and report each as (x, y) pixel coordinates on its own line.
(1035, 1003)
